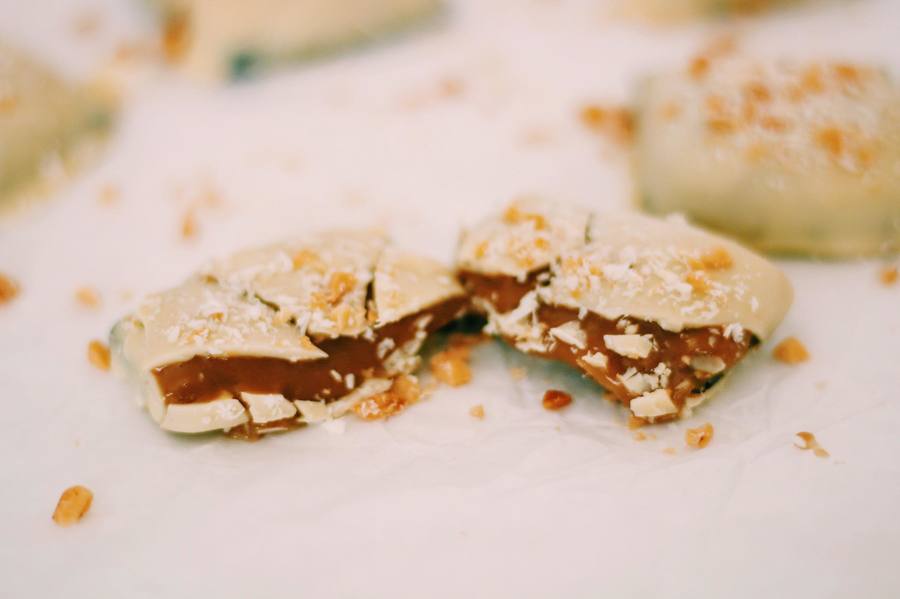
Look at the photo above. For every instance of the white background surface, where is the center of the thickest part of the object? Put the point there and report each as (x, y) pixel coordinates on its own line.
(431, 503)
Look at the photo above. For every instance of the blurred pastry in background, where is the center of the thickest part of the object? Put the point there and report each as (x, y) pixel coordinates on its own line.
(680, 10)
(230, 39)
(278, 337)
(788, 157)
(48, 126)
(656, 312)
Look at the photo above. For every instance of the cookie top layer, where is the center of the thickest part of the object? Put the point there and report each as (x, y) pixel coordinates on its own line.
(279, 300)
(661, 271)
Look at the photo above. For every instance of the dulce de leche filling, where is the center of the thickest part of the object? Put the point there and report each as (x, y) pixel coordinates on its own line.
(350, 361)
(684, 364)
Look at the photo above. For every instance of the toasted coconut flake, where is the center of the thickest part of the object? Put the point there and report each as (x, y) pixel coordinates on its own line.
(790, 351)
(73, 504)
(403, 393)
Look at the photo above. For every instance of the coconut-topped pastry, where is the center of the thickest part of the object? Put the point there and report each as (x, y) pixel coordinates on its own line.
(679, 10)
(45, 123)
(788, 157)
(227, 39)
(293, 333)
(657, 312)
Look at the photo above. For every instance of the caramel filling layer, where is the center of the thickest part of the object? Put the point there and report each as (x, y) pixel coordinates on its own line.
(350, 361)
(685, 364)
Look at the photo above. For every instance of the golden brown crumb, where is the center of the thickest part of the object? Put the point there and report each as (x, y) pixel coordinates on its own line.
(73, 504)
(670, 451)
(831, 139)
(477, 412)
(615, 122)
(403, 393)
(304, 257)
(811, 80)
(757, 92)
(87, 297)
(175, 35)
(517, 373)
(555, 399)
(790, 351)
(721, 126)
(808, 441)
(716, 259)
(451, 87)
(698, 281)
(98, 354)
(340, 284)
(189, 225)
(451, 366)
(8, 103)
(640, 436)
(109, 194)
(9, 289)
(698, 67)
(889, 275)
(699, 437)
(636, 422)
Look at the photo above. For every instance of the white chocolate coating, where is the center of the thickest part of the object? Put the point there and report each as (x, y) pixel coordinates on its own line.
(262, 303)
(789, 158)
(221, 29)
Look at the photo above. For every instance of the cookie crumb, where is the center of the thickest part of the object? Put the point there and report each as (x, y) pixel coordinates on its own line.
(403, 393)
(635, 422)
(670, 451)
(699, 437)
(640, 436)
(790, 351)
(889, 276)
(73, 504)
(517, 373)
(109, 194)
(477, 412)
(87, 297)
(807, 441)
(189, 226)
(555, 399)
(451, 365)
(98, 355)
(9, 289)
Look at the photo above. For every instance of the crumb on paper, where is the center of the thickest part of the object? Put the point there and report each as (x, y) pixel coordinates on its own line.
(477, 412)
(403, 393)
(189, 225)
(790, 351)
(9, 289)
(554, 399)
(807, 441)
(87, 23)
(635, 422)
(517, 373)
(670, 451)
(98, 355)
(451, 365)
(73, 504)
(640, 436)
(109, 194)
(87, 297)
(613, 122)
(699, 437)
(889, 276)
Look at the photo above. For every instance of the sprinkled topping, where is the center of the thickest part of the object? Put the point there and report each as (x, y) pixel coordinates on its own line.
(630, 346)
(653, 404)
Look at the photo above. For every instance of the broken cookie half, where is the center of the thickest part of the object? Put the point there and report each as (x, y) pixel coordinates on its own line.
(289, 334)
(654, 311)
